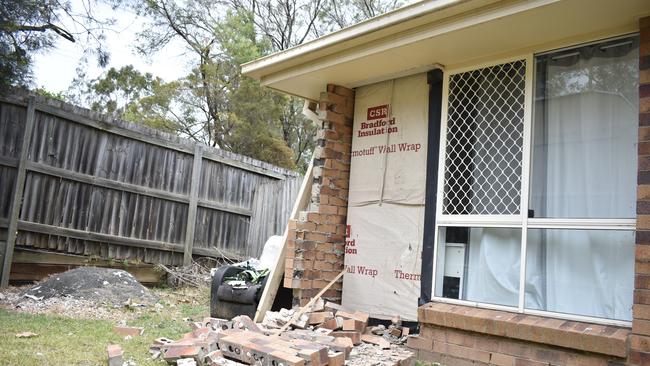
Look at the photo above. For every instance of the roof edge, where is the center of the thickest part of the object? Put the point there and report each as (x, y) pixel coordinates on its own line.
(400, 15)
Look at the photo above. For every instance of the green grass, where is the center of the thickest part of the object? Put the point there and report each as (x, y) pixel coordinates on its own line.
(66, 341)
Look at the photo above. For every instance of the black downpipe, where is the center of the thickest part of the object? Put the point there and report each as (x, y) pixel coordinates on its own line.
(434, 78)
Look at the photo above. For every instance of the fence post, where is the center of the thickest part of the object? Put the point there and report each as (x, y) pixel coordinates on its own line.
(191, 211)
(12, 231)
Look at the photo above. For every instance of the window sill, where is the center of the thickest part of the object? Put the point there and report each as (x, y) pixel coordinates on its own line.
(582, 336)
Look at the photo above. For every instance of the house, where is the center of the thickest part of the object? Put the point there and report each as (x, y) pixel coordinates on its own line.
(483, 167)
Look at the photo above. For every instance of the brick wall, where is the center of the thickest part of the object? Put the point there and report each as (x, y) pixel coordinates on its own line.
(455, 347)
(640, 338)
(316, 241)
(459, 335)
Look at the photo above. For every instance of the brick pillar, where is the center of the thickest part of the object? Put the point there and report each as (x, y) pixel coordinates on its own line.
(639, 341)
(316, 241)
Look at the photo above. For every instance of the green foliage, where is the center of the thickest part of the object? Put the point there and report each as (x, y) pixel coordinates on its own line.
(30, 26)
(214, 104)
(52, 95)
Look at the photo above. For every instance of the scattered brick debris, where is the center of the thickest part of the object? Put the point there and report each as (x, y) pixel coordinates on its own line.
(240, 341)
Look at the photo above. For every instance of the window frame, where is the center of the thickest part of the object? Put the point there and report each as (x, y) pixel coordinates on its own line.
(521, 221)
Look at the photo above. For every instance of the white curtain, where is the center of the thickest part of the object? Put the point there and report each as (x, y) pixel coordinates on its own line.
(584, 166)
(585, 169)
(493, 266)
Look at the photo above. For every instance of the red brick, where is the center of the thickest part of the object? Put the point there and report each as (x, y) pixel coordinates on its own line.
(642, 267)
(305, 226)
(526, 362)
(642, 281)
(314, 236)
(642, 253)
(641, 311)
(353, 335)
(644, 107)
(419, 342)
(115, 355)
(642, 297)
(326, 228)
(328, 209)
(640, 343)
(641, 327)
(128, 331)
(638, 358)
(354, 324)
(499, 359)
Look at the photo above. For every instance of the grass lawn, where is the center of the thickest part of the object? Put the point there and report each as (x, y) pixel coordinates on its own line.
(67, 341)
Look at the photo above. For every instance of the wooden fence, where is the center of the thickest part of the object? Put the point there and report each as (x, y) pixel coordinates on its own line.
(94, 186)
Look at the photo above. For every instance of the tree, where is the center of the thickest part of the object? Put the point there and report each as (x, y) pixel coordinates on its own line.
(224, 109)
(29, 26)
(133, 96)
(344, 13)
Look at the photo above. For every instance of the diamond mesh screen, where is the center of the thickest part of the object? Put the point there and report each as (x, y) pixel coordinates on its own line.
(484, 141)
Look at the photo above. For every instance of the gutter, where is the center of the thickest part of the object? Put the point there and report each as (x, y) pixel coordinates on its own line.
(365, 27)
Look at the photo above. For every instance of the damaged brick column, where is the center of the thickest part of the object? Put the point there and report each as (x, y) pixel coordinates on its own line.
(639, 341)
(316, 241)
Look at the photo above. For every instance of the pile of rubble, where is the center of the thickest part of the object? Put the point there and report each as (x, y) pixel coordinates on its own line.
(327, 335)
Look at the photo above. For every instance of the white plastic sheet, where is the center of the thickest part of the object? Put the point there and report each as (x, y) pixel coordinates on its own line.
(386, 198)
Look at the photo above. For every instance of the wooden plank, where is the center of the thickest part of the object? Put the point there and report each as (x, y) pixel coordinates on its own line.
(223, 207)
(133, 188)
(120, 240)
(311, 302)
(154, 140)
(31, 272)
(275, 277)
(7, 161)
(106, 183)
(18, 195)
(191, 211)
(34, 265)
(4, 222)
(211, 155)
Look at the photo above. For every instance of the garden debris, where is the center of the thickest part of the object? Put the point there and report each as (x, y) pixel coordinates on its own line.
(99, 285)
(197, 274)
(26, 335)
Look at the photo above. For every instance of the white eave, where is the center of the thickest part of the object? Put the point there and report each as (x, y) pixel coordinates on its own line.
(440, 32)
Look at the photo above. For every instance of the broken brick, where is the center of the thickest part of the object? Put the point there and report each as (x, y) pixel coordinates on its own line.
(378, 341)
(336, 359)
(186, 362)
(320, 317)
(128, 331)
(115, 355)
(353, 335)
(354, 324)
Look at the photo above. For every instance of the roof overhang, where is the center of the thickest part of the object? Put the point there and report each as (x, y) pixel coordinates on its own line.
(451, 33)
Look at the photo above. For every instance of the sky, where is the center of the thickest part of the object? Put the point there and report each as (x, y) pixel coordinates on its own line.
(55, 69)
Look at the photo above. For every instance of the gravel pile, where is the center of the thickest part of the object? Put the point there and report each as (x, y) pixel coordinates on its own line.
(98, 285)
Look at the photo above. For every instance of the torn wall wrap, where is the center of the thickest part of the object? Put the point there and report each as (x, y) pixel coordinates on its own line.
(386, 198)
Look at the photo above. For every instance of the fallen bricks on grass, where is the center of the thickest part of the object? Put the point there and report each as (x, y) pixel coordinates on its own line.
(240, 341)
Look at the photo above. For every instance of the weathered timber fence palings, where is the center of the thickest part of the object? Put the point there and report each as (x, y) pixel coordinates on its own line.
(87, 184)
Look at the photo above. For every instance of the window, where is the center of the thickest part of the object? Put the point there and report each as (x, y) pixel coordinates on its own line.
(538, 184)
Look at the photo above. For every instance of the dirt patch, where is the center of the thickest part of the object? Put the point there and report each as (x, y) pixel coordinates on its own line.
(98, 285)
